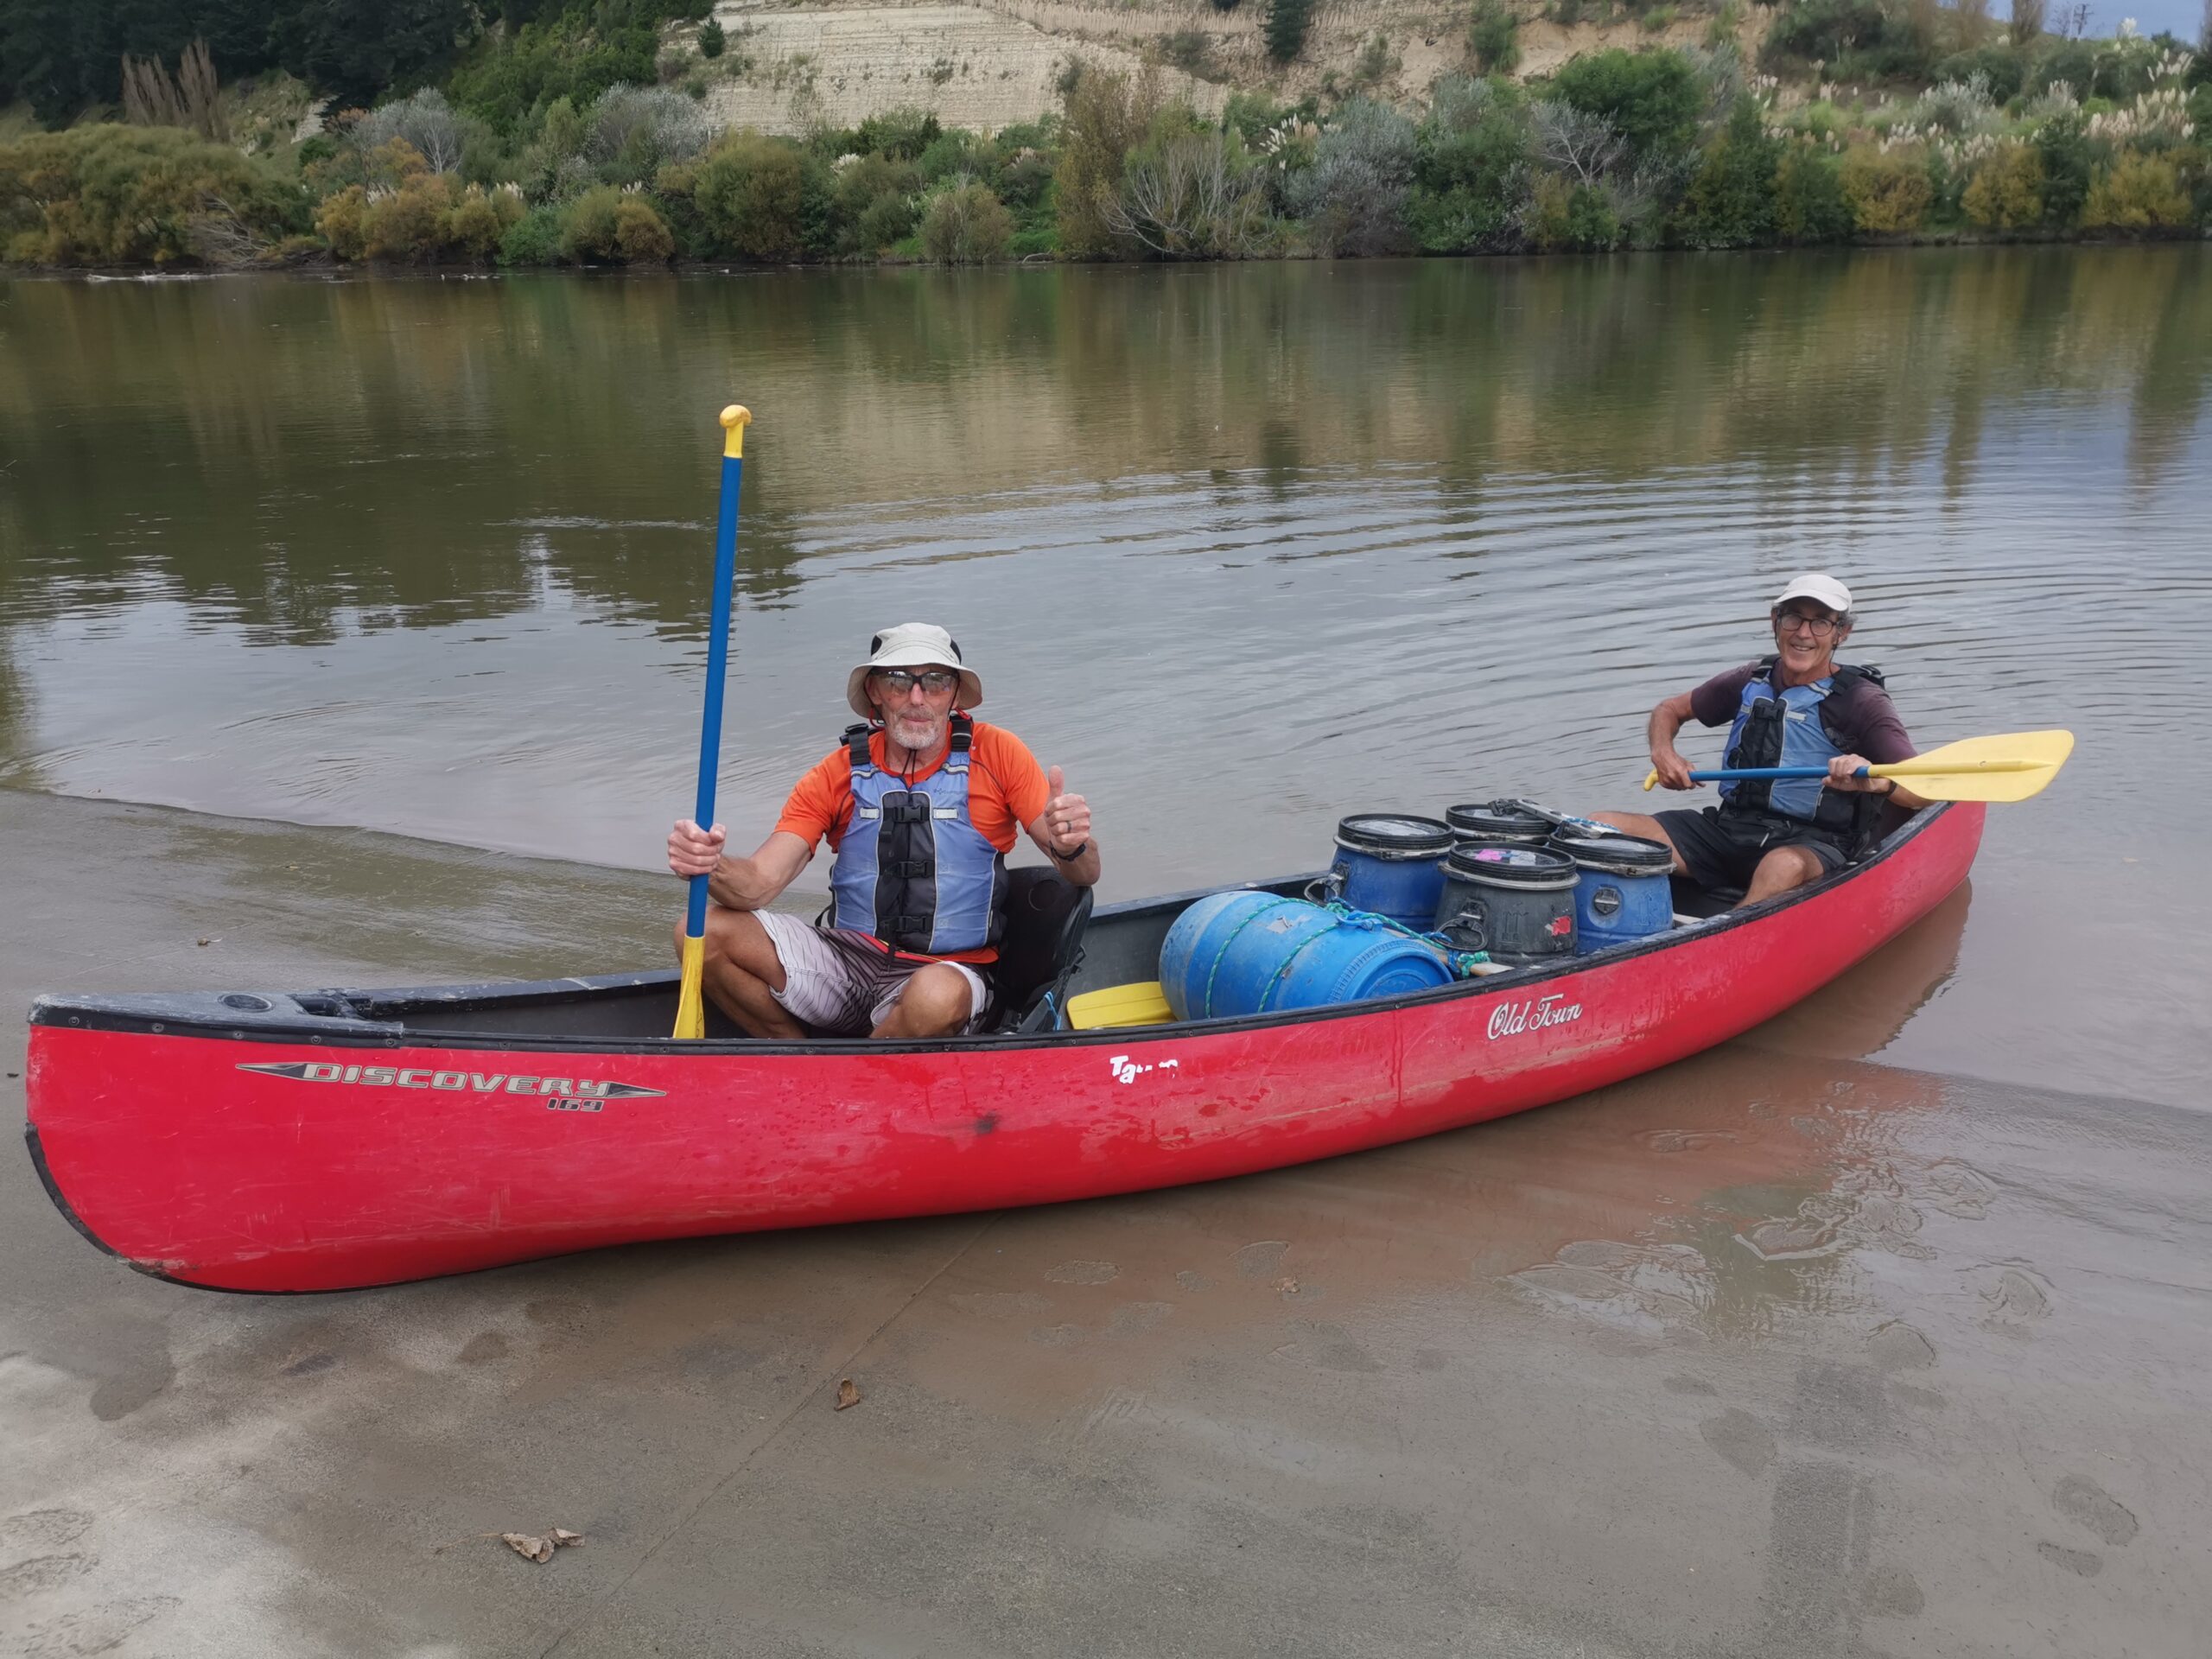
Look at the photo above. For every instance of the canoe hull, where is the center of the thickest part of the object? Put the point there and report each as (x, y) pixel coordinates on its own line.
(266, 1162)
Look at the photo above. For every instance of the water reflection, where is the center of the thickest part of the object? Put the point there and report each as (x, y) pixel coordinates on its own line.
(299, 456)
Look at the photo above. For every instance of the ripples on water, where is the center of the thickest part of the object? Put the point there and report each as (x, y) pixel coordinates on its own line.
(1240, 548)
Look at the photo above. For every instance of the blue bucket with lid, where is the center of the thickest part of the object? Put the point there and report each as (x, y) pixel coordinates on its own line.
(1391, 863)
(1621, 891)
(1245, 953)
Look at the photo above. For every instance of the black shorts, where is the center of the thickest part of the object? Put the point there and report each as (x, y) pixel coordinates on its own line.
(1721, 849)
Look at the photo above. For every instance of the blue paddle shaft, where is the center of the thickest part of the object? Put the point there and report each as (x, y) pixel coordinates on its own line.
(710, 724)
(1769, 771)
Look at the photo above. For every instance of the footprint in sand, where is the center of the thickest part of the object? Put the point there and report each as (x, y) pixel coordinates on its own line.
(2018, 1298)
(2081, 1501)
(1743, 1441)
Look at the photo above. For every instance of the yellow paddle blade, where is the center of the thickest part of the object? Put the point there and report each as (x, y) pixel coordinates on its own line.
(1140, 1004)
(690, 1007)
(2011, 767)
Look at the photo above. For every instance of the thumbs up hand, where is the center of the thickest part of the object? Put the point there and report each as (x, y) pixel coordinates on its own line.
(1067, 817)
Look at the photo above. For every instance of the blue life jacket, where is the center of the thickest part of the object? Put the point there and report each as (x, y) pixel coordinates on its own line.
(912, 869)
(1788, 726)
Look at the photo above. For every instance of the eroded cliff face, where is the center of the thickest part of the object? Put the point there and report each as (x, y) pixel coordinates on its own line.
(995, 62)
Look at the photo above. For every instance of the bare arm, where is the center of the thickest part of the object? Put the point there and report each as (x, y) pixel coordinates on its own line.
(751, 883)
(1669, 718)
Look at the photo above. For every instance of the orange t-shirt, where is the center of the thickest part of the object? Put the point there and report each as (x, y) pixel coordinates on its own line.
(1006, 791)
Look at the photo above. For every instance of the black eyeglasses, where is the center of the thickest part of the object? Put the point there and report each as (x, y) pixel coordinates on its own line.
(898, 682)
(1818, 627)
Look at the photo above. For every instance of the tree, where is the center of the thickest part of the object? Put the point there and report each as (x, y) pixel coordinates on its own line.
(1284, 29)
(1651, 98)
(355, 51)
(1731, 202)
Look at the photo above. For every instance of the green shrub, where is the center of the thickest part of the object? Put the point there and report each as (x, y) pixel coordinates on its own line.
(1471, 160)
(1888, 190)
(576, 53)
(1190, 50)
(2005, 193)
(481, 220)
(339, 222)
(712, 40)
(2071, 62)
(1730, 200)
(902, 134)
(407, 225)
(1809, 205)
(1564, 216)
(2063, 145)
(1353, 198)
(2001, 68)
(1856, 40)
(607, 226)
(1494, 37)
(966, 224)
(871, 203)
(884, 222)
(2137, 193)
(1652, 98)
(534, 239)
(750, 192)
(98, 195)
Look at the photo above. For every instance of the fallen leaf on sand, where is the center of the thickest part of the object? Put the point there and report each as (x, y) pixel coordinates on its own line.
(535, 1549)
(563, 1538)
(848, 1394)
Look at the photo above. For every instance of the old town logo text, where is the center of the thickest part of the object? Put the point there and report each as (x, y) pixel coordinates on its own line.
(1511, 1019)
(559, 1094)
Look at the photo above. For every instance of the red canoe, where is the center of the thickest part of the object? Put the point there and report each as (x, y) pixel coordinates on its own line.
(327, 1139)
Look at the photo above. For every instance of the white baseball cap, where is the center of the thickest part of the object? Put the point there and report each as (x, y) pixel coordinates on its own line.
(912, 645)
(1817, 586)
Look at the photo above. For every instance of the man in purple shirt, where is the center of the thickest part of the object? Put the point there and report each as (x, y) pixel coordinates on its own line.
(1799, 707)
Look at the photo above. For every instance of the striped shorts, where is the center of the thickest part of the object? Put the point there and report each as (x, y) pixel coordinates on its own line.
(843, 982)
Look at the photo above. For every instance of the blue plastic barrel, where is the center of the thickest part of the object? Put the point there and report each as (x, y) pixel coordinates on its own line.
(1621, 892)
(1245, 953)
(1392, 864)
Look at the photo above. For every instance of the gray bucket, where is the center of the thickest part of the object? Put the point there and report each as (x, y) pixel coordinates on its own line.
(1514, 901)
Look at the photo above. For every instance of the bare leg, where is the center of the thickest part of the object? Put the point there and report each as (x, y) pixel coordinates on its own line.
(1777, 873)
(1637, 823)
(742, 973)
(936, 1002)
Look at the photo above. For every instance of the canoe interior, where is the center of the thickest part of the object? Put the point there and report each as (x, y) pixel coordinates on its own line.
(1122, 945)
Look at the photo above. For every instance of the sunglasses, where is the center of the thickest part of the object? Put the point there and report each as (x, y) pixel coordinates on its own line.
(934, 682)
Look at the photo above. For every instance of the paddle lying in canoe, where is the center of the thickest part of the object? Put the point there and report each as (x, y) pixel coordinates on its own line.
(690, 1006)
(2008, 768)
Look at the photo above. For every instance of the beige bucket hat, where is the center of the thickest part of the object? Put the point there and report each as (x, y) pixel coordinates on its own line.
(912, 645)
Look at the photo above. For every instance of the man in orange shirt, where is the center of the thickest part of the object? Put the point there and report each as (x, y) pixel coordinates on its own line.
(920, 807)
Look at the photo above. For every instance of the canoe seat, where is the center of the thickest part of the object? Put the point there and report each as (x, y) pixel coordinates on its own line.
(1044, 919)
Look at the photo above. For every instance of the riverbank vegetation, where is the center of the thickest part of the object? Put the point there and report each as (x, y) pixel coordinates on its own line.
(572, 132)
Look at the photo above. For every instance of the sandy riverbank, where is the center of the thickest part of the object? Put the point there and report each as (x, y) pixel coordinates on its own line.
(1777, 1352)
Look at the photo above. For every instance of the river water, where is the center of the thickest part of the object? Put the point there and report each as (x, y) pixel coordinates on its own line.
(1243, 549)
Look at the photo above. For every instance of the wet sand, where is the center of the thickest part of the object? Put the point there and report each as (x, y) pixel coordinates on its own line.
(1780, 1351)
